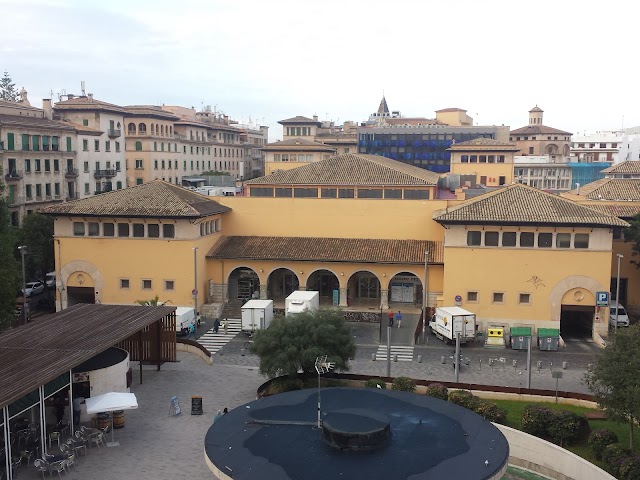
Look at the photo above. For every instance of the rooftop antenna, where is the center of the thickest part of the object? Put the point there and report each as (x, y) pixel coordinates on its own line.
(82, 88)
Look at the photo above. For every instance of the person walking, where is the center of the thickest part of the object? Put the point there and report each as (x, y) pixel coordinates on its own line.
(77, 410)
(216, 325)
(399, 318)
(192, 332)
(390, 317)
(225, 326)
(217, 416)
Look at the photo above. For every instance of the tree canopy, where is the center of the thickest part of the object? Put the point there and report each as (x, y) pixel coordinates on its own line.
(632, 234)
(614, 379)
(10, 276)
(294, 342)
(8, 89)
(37, 234)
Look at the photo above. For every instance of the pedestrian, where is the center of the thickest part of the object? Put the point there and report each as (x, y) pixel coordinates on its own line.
(217, 416)
(390, 317)
(225, 411)
(399, 318)
(192, 332)
(77, 410)
(225, 326)
(216, 325)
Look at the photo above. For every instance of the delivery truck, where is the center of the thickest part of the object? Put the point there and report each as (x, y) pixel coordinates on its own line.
(302, 301)
(449, 321)
(256, 315)
(185, 317)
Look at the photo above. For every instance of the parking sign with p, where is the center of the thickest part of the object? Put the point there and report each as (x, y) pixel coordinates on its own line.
(602, 299)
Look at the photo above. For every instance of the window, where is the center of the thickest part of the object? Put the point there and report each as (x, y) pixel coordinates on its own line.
(474, 238)
(483, 159)
(37, 166)
(370, 193)
(11, 142)
(119, 185)
(155, 164)
(139, 181)
(581, 240)
(153, 230)
(94, 229)
(472, 296)
(124, 283)
(508, 239)
(491, 239)
(56, 189)
(117, 166)
(139, 164)
(107, 146)
(85, 122)
(86, 189)
(500, 158)
(123, 229)
(464, 159)
(117, 147)
(27, 165)
(284, 192)
(47, 165)
(107, 229)
(530, 150)
(395, 194)
(524, 298)
(563, 240)
(527, 239)
(261, 192)
(545, 240)
(38, 190)
(138, 230)
(498, 297)
(473, 159)
(78, 229)
(168, 231)
(85, 145)
(168, 284)
(97, 165)
(56, 165)
(28, 191)
(328, 192)
(138, 146)
(416, 194)
(146, 284)
(346, 193)
(305, 192)
(96, 145)
(47, 189)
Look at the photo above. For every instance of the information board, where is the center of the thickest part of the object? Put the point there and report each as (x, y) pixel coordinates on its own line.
(196, 405)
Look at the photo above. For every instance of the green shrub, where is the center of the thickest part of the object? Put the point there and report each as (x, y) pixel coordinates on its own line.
(613, 455)
(285, 384)
(375, 383)
(404, 384)
(332, 382)
(437, 390)
(584, 431)
(564, 427)
(535, 420)
(490, 411)
(464, 398)
(599, 439)
(630, 468)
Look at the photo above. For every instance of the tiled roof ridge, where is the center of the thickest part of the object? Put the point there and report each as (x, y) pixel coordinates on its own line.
(539, 129)
(627, 166)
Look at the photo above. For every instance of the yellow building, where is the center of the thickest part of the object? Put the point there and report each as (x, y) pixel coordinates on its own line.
(538, 139)
(357, 228)
(293, 153)
(484, 161)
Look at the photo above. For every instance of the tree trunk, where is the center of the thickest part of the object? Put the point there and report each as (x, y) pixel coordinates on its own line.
(631, 422)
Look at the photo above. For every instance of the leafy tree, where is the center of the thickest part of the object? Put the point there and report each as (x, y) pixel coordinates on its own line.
(8, 89)
(37, 234)
(404, 384)
(614, 380)
(294, 342)
(10, 274)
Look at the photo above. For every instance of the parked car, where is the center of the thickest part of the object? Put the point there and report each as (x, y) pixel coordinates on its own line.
(50, 279)
(623, 318)
(33, 288)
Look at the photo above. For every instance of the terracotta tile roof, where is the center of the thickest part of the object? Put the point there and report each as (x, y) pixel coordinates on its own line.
(298, 144)
(299, 119)
(156, 199)
(620, 211)
(149, 111)
(309, 249)
(33, 122)
(519, 204)
(630, 166)
(19, 106)
(538, 130)
(621, 189)
(446, 110)
(352, 169)
(87, 103)
(81, 129)
(481, 143)
(536, 109)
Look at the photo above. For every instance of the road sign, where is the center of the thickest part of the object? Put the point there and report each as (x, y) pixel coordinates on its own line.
(194, 292)
(602, 299)
(458, 298)
(556, 374)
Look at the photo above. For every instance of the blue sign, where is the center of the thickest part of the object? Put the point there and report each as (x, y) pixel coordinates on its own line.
(602, 299)
(458, 298)
(336, 297)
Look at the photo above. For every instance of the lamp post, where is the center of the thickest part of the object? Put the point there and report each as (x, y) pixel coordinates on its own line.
(617, 292)
(322, 366)
(195, 282)
(23, 251)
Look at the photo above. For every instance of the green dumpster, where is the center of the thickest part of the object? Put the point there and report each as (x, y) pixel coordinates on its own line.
(548, 339)
(520, 337)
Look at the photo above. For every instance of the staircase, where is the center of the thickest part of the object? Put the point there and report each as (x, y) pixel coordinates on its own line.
(232, 309)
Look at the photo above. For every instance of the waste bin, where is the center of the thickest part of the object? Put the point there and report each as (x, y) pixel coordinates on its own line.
(520, 336)
(548, 339)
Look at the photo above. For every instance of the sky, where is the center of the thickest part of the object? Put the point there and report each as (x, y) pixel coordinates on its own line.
(267, 60)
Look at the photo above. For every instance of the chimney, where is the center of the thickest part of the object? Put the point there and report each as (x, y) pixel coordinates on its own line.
(90, 95)
(46, 106)
(315, 118)
(577, 189)
(70, 96)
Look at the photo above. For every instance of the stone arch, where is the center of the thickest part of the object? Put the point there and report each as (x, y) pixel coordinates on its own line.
(404, 287)
(142, 128)
(281, 281)
(325, 281)
(551, 149)
(363, 288)
(131, 128)
(88, 271)
(242, 283)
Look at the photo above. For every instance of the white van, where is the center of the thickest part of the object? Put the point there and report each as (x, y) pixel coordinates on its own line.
(623, 318)
(185, 317)
(50, 279)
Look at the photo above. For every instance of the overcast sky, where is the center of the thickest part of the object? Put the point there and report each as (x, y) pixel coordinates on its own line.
(274, 59)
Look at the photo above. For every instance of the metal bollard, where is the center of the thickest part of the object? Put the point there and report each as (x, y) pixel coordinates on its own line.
(419, 358)
(443, 359)
(373, 357)
(539, 363)
(395, 358)
(480, 364)
(515, 364)
(564, 365)
(589, 367)
(242, 352)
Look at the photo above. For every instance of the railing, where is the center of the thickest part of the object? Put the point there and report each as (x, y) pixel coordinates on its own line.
(13, 200)
(114, 133)
(13, 175)
(72, 196)
(111, 172)
(71, 172)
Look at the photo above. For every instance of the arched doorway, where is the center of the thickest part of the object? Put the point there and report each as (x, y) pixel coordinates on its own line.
(281, 283)
(327, 283)
(405, 288)
(363, 290)
(243, 284)
(80, 289)
(577, 314)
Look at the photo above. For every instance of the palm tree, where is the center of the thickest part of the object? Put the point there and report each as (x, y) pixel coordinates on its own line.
(153, 302)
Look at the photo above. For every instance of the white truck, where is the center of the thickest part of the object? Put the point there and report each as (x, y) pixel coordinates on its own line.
(256, 315)
(449, 321)
(185, 317)
(302, 301)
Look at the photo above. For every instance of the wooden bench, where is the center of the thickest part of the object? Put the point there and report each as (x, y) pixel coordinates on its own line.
(599, 415)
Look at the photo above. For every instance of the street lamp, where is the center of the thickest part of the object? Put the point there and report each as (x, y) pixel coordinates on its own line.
(23, 251)
(617, 292)
(322, 366)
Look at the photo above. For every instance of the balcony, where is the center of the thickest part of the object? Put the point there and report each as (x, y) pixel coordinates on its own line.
(71, 172)
(113, 133)
(110, 172)
(15, 200)
(72, 196)
(13, 176)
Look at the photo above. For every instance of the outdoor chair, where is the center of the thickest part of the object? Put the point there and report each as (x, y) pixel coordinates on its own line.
(98, 439)
(58, 467)
(26, 454)
(41, 466)
(77, 445)
(106, 429)
(71, 460)
(54, 437)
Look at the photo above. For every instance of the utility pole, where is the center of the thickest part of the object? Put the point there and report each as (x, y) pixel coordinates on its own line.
(23, 251)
